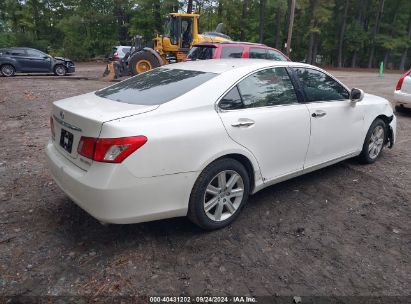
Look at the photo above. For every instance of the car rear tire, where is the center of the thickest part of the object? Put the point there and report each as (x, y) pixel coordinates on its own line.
(142, 61)
(374, 142)
(7, 70)
(219, 194)
(60, 70)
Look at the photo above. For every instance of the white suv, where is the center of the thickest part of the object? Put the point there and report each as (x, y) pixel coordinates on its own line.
(402, 94)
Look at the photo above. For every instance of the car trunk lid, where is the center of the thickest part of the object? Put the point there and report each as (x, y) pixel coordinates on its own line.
(84, 116)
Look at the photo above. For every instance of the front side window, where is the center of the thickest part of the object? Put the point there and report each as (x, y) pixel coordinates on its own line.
(155, 87)
(258, 53)
(318, 86)
(34, 53)
(269, 87)
(232, 52)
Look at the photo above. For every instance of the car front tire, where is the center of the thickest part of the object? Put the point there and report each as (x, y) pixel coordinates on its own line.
(7, 70)
(60, 70)
(374, 142)
(219, 194)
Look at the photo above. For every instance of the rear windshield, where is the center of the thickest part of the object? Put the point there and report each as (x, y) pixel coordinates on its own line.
(155, 87)
(201, 53)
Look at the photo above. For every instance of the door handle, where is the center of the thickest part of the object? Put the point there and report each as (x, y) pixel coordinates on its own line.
(243, 123)
(318, 114)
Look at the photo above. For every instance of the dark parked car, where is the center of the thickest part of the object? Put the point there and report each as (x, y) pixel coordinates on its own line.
(27, 60)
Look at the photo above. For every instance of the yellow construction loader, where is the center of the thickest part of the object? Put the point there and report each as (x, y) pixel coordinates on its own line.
(181, 33)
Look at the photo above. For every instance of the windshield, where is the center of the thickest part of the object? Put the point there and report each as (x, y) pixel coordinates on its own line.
(171, 29)
(155, 87)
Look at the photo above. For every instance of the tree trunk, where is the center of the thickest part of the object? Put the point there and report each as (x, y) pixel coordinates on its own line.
(277, 26)
(243, 21)
(157, 16)
(405, 53)
(220, 11)
(391, 33)
(290, 28)
(361, 13)
(315, 48)
(375, 32)
(190, 7)
(261, 30)
(313, 5)
(286, 22)
(342, 33)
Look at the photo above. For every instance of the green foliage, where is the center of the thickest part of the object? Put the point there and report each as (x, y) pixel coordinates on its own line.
(83, 29)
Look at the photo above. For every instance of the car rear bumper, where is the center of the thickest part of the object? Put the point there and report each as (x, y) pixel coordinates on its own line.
(111, 194)
(402, 99)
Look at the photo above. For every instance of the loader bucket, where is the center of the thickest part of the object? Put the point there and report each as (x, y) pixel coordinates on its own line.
(111, 72)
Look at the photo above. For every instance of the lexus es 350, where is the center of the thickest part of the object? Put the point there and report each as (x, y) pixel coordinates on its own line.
(196, 139)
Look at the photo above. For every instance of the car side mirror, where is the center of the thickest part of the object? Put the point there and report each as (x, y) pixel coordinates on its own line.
(356, 95)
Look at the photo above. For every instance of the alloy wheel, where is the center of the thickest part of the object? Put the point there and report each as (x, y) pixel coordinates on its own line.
(223, 195)
(376, 142)
(7, 70)
(60, 71)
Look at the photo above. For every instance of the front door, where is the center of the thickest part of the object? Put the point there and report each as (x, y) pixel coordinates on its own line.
(38, 61)
(262, 114)
(335, 121)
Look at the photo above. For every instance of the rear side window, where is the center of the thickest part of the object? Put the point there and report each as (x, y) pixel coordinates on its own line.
(125, 50)
(273, 55)
(155, 87)
(318, 86)
(232, 52)
(269, 87)
(18, 53)
(258, 53)
(201, 53)
(232, 100)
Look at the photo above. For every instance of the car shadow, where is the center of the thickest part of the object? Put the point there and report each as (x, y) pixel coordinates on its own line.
(403, 112)
(77, 225)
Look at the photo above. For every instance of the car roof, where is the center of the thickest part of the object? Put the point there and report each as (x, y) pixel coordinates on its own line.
(230, 43)
(220, 66)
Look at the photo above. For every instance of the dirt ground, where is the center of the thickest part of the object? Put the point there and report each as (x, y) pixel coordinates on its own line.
(343, 230)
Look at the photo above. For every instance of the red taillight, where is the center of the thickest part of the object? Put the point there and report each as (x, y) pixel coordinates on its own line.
(399, 84)
(87, 146)
(109, 150)
(115, 56)
(53, 134)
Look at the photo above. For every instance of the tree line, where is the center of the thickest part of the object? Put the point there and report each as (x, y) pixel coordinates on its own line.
(342, 33)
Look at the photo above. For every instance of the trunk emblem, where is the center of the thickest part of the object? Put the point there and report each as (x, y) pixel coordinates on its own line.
(61, 114)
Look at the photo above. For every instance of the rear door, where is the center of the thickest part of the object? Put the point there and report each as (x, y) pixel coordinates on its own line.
(262, 113)
(336, 122)
(232, 51)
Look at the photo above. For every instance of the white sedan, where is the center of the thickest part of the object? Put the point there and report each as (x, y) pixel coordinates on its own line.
(196, 139)
(402, 94)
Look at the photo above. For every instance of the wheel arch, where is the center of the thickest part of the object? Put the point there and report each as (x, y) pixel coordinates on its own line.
(155, 54)
(8, 63)
(388, 134)
(247, 161)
